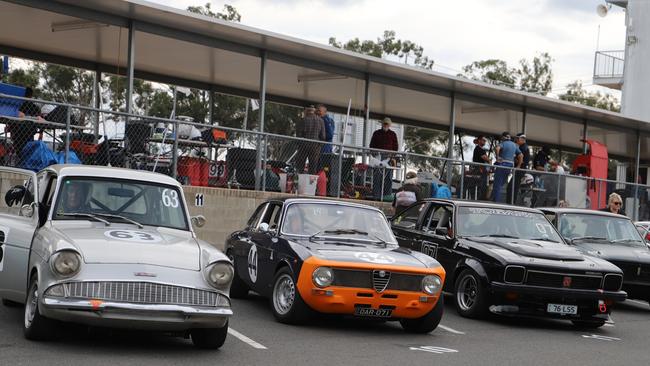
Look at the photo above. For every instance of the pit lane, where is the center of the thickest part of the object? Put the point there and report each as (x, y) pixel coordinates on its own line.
(335, 341)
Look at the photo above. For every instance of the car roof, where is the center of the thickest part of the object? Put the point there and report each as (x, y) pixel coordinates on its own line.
(468, 203)
(103, 171)
(561, 210)
(288, 200)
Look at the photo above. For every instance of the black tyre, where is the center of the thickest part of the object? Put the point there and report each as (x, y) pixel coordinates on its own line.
(286, 303)
(588, 324)
(209, 338)
(470, 295)
(11, 304)
(427, 323)
(238, 289)
(35, 327)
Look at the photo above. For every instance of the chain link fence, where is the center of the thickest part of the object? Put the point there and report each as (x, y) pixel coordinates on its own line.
(36, 133)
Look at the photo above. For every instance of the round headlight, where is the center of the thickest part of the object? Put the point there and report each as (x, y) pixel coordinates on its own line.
(66, 263)
(431, 284)
(220, 274)
(323, 276)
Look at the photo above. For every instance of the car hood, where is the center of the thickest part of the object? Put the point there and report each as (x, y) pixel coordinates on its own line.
(533, 248)
(616, 253)
(356, 252)
(127, 244)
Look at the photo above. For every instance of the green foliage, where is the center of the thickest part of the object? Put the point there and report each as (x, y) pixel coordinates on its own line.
(577, 94)
(534, 76)
(388, 45)
(229, 13)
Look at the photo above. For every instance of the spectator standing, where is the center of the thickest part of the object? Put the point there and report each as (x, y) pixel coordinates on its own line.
(508, 156)
(23, 131)
(478, 183)
(312, 128)
(520, 140)
(542, 158)
(29, 108)
(408, 194)
(384, 139)
(329, 124)
(614, 204)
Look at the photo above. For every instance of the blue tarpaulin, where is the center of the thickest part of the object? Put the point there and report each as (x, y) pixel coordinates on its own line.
(36, 155)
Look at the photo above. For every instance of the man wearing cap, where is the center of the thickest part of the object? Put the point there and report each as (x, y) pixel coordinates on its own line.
(312, 128)
(525, 164)
(384, 139)
(508, 156)
(478, 182)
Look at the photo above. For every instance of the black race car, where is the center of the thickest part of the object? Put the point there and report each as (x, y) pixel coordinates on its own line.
(509, 260)
(334, 257)
(611, 237)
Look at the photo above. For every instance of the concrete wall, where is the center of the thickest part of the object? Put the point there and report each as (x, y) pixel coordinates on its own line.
(227, 210)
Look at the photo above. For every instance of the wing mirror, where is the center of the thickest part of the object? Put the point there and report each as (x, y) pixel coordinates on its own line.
(442, 231)
(264, 227)
(27, 210)
(198, 221)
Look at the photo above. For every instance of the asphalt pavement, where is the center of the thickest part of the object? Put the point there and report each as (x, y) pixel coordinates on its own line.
(257, 339)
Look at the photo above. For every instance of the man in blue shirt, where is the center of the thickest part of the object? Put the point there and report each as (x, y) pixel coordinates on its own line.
(329, 127)
(508, 156)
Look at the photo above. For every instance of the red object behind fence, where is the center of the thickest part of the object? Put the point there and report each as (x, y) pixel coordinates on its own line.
(193, 171)
(593, 164)
(321, 185)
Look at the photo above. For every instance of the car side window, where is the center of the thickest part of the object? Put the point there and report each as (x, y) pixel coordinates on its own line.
(409, 218)
(438, 217)
(16, 189)
(271, 215)
(252, 222)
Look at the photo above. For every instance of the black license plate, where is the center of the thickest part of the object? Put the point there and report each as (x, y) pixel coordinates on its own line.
(375, 313)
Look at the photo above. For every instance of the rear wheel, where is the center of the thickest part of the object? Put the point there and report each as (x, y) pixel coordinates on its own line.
(427, 323)
(209, 338)
(36, 327)
(588, 324)
(470, 296)
(238, 289)
(286, 302)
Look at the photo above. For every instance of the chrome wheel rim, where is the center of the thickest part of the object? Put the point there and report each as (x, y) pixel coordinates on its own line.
(31, 306)
(284, 294)
(467, 292)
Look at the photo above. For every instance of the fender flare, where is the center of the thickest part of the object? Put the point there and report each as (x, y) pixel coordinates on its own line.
(474, 265)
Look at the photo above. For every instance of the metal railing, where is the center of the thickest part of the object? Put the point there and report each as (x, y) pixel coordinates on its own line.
(609, 64)
(200, 154)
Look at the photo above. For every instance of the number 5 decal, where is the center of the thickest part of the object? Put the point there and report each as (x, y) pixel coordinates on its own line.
(170, 198)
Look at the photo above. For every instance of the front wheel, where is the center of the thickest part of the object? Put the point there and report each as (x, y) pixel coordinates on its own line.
(286, 302)
(209, 338)
(470, 295)
(588, 324)
(427, 323)
(36, 327)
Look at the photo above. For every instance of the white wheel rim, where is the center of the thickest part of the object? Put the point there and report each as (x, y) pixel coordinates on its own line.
(31, 306)
(284, 294)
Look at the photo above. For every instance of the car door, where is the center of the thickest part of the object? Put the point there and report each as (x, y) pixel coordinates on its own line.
(405, 225)
(17, 227)
(436, 235)
(266, 243)
(244, 251)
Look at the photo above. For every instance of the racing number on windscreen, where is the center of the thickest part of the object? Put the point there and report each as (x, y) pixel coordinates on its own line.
(170, 198)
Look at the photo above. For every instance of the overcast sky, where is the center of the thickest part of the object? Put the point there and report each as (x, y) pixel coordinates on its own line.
(453, 33)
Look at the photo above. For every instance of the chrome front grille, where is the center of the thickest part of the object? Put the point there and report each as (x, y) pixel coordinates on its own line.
(141, 293)
(365, 279)
(380, 279)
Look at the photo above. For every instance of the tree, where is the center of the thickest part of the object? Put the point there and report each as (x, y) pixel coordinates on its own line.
(577, 94)
(534, 76)
(230, 13)
(388, 45)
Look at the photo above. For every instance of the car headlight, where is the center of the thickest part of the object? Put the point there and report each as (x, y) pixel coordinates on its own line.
(431, 284)
(66, 263)
(220, 274)
(323, 276)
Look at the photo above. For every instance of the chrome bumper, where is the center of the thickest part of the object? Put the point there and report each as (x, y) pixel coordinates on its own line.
(134, 316)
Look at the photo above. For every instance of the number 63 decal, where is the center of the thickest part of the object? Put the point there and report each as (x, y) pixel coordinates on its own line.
(133, 235)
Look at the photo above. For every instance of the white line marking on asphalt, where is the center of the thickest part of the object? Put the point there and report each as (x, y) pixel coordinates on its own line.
(638, 302)
(601, 338)
(432, 349)
(245, 339)
(450, 330)
(609, 324)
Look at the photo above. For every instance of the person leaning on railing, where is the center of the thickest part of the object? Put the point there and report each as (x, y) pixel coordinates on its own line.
(508, 156)
(23, 131)
(408, 194)
(312, 128)
(384, 139)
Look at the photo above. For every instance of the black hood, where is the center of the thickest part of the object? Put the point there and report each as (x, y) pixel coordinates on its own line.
(617, 252)
(363, 253)
(533, 248)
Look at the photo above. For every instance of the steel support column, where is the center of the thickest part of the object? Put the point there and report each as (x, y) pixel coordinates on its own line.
(130, 69)
(584, 136)
(523, 120)
(366, 110)
(97, 100)
(211, 107)
(451, 139)
(636, 176)
(259, 170)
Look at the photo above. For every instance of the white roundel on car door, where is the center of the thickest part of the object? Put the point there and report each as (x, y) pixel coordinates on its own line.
(252, 263)
(4, 233)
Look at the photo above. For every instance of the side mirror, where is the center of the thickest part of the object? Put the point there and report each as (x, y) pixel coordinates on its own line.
(27, 210)
(442, 231)
(264, 227)
(198, 221)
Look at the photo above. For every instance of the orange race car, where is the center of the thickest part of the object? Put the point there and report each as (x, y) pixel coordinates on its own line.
(334, 257)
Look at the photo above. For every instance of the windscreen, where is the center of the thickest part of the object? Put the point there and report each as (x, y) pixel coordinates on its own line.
(119, 201)
(342, 221)
(493, 222)
(607, 229)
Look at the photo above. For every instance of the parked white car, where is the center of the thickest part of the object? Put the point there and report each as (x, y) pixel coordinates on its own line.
(109, 247)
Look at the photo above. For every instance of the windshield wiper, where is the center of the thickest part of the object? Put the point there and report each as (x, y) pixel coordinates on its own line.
(545, 239)
(587, 238)
(82, 214)
(345, 231)
(139, 225)
(625, 241)
(497, 236)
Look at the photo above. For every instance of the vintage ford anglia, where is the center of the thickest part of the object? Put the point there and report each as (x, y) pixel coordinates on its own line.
(109, 247)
